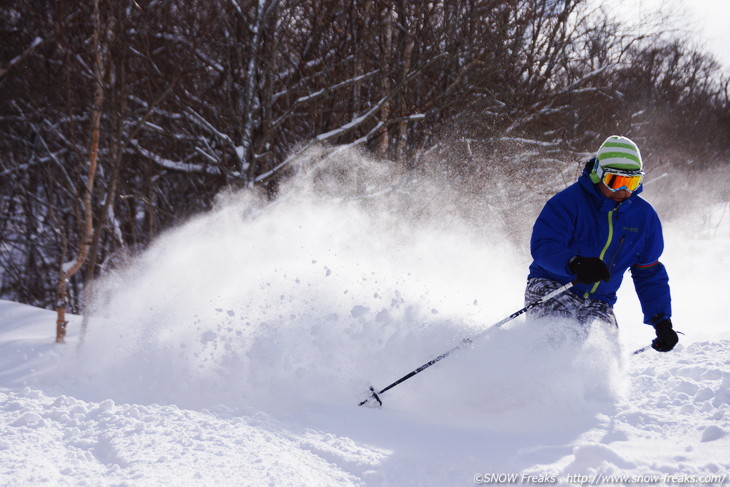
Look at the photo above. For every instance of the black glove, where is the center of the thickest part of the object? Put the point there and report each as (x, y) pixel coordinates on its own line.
(588, 269)
(666, 338)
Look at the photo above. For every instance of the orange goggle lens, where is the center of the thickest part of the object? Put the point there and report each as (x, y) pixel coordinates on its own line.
(616, 182)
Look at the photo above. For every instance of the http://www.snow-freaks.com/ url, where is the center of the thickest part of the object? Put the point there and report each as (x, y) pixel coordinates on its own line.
(600, 479)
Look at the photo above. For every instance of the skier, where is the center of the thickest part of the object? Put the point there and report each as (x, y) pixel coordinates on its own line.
(591, 233)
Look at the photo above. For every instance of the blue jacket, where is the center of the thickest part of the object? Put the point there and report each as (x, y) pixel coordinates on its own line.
(581, 221)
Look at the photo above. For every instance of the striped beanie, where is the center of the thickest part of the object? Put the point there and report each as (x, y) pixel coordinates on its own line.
(618, 152)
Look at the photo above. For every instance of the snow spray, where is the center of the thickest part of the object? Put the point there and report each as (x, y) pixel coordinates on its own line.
(354, 272)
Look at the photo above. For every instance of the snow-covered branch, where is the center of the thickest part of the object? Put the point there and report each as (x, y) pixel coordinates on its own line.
(181, 166)
(20, 57)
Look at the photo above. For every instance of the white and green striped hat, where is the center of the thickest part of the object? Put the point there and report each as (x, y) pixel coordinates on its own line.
(620, 153)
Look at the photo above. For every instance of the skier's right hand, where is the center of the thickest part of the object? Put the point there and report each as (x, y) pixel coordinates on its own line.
(588, 269)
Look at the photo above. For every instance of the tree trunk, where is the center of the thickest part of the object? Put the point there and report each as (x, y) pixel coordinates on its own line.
(387, 53)
(68, 270)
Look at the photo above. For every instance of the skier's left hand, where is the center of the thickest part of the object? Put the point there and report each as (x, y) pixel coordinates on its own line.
(666, 337)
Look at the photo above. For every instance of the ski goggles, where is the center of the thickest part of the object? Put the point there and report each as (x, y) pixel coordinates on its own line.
(618, 179)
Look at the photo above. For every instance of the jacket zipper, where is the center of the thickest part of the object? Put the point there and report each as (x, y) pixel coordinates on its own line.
(603, 252)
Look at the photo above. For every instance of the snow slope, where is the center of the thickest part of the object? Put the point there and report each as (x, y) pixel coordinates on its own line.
(235, 351)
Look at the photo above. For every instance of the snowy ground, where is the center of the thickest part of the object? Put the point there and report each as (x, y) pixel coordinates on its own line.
(235, 352)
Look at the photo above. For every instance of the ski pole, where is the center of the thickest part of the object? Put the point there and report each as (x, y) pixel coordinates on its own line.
(644, 349)
(465, 341)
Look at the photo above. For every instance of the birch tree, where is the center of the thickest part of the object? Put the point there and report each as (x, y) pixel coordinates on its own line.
(100, 44)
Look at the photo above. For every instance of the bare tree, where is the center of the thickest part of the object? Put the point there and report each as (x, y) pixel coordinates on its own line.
(100, 45)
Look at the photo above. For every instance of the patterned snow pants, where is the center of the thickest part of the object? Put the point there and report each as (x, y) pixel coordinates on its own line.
(566, 305)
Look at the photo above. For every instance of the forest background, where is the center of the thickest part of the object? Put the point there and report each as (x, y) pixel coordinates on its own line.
(121, 119)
